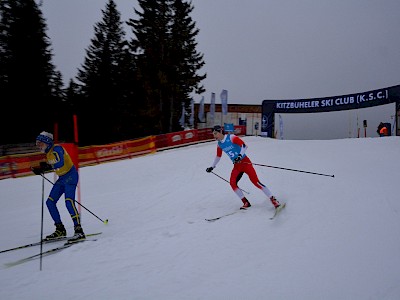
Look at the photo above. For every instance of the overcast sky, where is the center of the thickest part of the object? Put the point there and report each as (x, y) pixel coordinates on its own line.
(258, 49)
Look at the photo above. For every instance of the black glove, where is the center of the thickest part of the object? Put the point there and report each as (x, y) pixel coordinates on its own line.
(209, 169)
(37, 170)
(238, 159)
(45, 166)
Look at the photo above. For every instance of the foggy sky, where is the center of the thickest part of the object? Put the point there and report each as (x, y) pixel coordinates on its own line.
(258, 49)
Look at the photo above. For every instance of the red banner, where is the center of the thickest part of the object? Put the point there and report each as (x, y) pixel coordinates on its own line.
(127, 149)
(20, 165)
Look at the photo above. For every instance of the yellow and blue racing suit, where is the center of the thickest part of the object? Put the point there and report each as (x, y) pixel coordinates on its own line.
(66, 183)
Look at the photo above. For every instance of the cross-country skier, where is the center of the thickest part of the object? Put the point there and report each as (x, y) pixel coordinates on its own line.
(59, 161)
(235, 148)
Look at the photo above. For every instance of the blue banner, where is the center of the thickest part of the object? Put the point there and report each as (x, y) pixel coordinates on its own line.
(335, 103)
(212, 107)
(191, 120)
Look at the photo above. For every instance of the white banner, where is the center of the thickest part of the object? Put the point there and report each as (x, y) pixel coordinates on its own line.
(224, 102)
(182, 119)
(201, 110)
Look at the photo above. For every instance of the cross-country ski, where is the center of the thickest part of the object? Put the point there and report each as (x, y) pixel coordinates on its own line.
(47, 252)
(278, 210)
(64, 238)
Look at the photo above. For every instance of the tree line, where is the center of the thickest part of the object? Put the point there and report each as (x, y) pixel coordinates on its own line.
(125, 88)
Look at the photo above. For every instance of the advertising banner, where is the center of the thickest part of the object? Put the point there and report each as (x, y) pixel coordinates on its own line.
(326, 104)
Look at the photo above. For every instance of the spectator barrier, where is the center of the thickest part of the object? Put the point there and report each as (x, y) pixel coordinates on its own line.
(18, 165)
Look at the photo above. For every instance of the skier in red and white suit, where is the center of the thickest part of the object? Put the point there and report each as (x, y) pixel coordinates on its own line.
(235, 148)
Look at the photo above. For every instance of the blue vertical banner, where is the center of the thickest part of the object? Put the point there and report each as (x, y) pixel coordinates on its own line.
(224, 102)
(281, 126)
(201, 110)
(212, 108)
(191, 120)
(267, 118)
(182, 119)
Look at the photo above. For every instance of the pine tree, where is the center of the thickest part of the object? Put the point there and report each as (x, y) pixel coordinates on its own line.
(167, 61)
(151, 47)
(186, 60)
(63, 116)
(27, 75)
(107, 73)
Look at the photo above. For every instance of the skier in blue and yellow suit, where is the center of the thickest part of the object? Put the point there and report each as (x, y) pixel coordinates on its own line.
(59, 161)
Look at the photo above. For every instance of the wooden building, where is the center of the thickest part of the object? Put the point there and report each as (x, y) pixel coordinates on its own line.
(238, 114)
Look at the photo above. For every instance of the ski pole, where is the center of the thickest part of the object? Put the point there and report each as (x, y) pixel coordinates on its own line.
(41, 225)
(290, 169)
(228, 182)
(104, 221)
